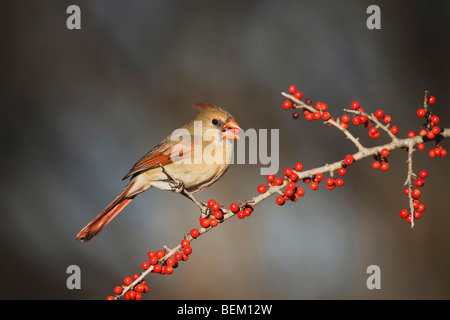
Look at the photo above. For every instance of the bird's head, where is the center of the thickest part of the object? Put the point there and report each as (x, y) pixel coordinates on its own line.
(213, 117)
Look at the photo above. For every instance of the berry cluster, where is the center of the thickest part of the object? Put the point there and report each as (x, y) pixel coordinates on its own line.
(374, 123)
(415, 193)
(160, 263)
(430, 129)
(319, 112)
(290, 179)
(381, 161)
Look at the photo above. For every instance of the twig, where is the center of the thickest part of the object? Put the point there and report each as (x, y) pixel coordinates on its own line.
(408, 182)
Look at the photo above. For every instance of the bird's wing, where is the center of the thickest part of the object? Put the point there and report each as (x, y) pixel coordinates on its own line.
(166, 152)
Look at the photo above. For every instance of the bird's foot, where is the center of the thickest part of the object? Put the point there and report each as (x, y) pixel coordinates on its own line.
(247, 204)
(177, 186)
(205, 211)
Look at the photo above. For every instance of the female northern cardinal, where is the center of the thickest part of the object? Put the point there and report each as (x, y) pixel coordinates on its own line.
(187, 163)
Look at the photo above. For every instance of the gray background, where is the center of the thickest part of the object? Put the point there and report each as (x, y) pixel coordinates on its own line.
(80, 107)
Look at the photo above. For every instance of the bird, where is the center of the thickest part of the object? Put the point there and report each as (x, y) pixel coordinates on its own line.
(202, 158)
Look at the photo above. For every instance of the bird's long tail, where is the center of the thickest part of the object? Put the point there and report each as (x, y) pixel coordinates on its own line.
(105, 217)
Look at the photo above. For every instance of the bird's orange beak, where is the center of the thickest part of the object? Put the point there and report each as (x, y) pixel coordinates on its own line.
(230, 130)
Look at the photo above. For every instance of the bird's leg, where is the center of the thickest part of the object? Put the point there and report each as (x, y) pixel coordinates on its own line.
(247, 203)
(177, 185)
(205, 211)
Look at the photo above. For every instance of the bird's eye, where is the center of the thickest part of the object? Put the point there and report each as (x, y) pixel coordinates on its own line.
(215, 121)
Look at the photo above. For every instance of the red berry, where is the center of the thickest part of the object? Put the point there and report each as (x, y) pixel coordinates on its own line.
(185, 243)
(290, 185)
(431, 99)
(288, 192)
(270, 178)
(218, 214)
(287, 171)
(329, 182)
(151, 254)
(422, 132)
(355, 121)
(430, 135)
(145, 265)
(247, 212)
(295, 115)
(292, 89)
(416, 193)
(278, 181)
(211, 203)
(339, 182)
(362, 119)
(417, 215)
(298, 95)
(118, 290)
(379, 113)
(420, 146)
(287, 104)
(234, 207)
(213, 222)
(299, 191)
(127, 281)
(160, 254)
(169, 270)
(355, 105)
(195, 233)
(408, 218)
(342, 171)
(345, 118)
(178, 256)
(317, 115)
(110, 298)
(153, 260)
(394, 129)
(298, 166)
(314, 185)
(261, 188)
(419, 182)
(204, 222)
(294, 177)
(411, 134)
(387, 119)
(130, 295)
(384, 166)
(308, 101)
(215, 206)
(326, 116)
(241, 215)
(157, 268)
(403, 213)
(187, 250)
(348, 159)
(423, 174)
(436, 130)
(279, 200)
(385, 152)
(435, 119)
(421, 112)
(375, 164)
(171, 262)
(421, 207)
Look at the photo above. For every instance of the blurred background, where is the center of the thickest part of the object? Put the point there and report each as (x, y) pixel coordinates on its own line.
(80, 107)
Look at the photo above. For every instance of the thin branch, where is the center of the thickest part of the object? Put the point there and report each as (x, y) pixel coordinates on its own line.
(408, 182)
(301, 105)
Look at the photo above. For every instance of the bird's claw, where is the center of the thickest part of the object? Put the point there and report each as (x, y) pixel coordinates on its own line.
(206, 211)
(177, 186)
